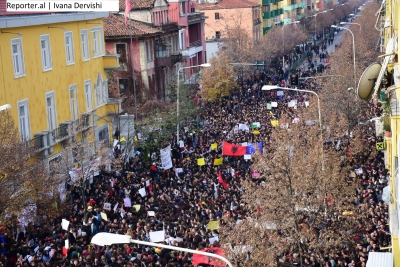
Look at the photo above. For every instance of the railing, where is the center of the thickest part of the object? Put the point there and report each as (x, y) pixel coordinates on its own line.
(60, 132)
(256, 21)
(195, 43)
(38, 142)
(168, 27)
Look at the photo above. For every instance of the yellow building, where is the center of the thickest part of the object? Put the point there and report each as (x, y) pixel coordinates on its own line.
(52, 73)
(388, 23)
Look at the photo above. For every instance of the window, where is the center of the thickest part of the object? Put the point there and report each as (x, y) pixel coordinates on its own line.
(98, 46)
(69, 48)
(103, 136)
(101, 88)
(266, 8)
(88, 95)
(17, 57)
(23, 119)
(73, 101)
(216, 16)
(85, 45)
(122, 51)
(182, 8)
(182, 39)
(218, 34)
(51, 111)
(46, 53)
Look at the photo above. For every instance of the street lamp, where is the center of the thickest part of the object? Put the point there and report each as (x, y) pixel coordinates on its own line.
(206, 65)
(350, 23)
(108, 239)
(5, 107)
(315, 21)
(354, 52)
(274, 87)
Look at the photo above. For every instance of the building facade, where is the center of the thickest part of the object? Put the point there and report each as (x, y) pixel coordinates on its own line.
(293, 10)
(226, 16)
(53, 75)
(148, 52)
(271, 14)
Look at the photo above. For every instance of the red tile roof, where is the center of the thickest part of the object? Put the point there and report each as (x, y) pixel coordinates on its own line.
(227, 4)
(114, 26)
(137, 4)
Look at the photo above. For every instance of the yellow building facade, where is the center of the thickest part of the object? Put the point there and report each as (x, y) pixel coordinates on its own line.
(388, 23)
(52, 73)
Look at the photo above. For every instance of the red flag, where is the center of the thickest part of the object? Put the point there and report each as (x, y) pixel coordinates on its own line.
(233, 150)
(200, 259)
(221, 180)
(128, 8)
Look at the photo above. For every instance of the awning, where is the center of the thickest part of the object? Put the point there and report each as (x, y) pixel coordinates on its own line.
(380, 259)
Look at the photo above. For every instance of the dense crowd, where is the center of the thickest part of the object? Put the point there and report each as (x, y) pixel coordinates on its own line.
(187, 197)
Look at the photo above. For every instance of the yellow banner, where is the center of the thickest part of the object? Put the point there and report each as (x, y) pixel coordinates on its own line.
(213, 225)
(214, 146)
(274, 123)
(201, 162)
(218, 161)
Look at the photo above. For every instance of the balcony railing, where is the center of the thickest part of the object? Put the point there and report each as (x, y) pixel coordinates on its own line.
(195, 17)
(256, 21)
(195, 43)
(175, 58)
(169, 27)
(60, 133)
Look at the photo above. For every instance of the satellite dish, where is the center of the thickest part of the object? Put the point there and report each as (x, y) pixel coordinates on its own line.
(366, 84)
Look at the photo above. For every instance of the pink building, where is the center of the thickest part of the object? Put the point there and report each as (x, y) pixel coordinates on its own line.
(166, 36)
(191, 38)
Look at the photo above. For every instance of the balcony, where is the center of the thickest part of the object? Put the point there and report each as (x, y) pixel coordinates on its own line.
(195, 17)
(266, 15)
(266, 2)
(292, 7)
(111, 62)
(163, 61)
(266, 29)
(170, 27)
(256, 21)
(176, 57)
(194, 47)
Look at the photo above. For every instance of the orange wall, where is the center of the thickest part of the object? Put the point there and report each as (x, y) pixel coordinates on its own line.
(229, 18)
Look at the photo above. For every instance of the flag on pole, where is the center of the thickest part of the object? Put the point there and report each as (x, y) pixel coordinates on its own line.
(200, 259)
(128, 8)
(221, 180)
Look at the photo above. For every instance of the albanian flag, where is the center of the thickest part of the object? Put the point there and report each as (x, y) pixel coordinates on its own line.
(233, 150)
(221, 180)
(200, 259)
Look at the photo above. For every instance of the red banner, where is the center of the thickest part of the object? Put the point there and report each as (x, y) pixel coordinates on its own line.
(200, 259)
(233, 150)
(221, 180)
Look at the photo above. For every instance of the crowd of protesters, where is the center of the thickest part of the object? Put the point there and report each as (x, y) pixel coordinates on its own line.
(185, 201)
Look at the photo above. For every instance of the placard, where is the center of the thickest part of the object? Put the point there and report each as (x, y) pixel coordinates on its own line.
(157, 236)
(274, 104)
(137, 207)
(65, 224)
(127, 202)
(166, 160)
(107, 206)
(151, 213)
(247, 156)
(142, 192)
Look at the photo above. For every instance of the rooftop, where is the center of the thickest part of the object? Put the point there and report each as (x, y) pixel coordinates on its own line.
(137, 4)
(227, 4)
(114, 26)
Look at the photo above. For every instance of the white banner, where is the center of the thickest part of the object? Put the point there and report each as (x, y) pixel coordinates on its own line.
(166, 160)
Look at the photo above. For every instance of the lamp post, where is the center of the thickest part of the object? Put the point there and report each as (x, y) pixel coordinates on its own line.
(206, 65)
(274, 87)
(5, 107)
(350, 23)
(107, 239)
(354, 52)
